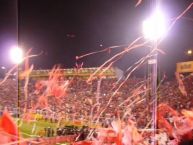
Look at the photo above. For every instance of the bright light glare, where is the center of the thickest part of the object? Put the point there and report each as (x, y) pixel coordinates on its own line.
(154, 28)
(2, 67)
(16, 55)
(189, 52)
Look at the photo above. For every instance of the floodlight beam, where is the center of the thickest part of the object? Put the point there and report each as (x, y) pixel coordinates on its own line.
(16, 55)
(154, 27)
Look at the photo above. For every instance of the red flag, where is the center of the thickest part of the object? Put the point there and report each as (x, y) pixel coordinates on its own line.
(8, 124)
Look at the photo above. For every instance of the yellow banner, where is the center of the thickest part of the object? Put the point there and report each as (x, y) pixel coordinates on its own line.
(84, 72)
(183, 67)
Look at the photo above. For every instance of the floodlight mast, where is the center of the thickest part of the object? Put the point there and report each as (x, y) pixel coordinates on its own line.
(154, 28)
(16, 56)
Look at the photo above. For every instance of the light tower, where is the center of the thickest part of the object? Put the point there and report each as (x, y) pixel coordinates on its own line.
(16, 56)
(154, 28)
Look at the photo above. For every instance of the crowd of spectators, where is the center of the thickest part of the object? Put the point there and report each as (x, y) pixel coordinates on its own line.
(8, 94)
(87, 101)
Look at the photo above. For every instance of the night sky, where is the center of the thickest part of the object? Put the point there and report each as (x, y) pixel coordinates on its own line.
(63, 29)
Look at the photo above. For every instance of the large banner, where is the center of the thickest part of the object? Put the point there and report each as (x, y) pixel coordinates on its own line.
(83, 72)
(184, 67)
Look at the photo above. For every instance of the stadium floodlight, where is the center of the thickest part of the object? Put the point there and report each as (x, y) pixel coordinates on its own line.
(16, 55)
(154, 27)
(189, 52)
(3, 67)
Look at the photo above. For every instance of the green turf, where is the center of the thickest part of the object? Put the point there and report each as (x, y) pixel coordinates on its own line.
(26, 128)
